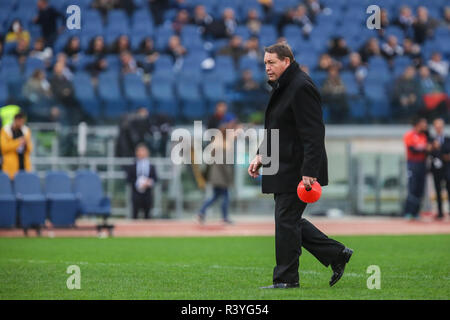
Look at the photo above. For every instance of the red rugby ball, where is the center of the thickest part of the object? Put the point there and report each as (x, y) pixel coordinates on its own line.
(309, 196)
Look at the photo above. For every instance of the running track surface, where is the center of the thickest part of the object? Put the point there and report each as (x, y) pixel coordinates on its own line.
(246, 227)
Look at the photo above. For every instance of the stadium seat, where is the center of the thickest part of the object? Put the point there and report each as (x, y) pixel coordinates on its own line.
(135, 91)
(114, 105)
(163, 95)
(3, 93)
(8, 204)
(62, 202)
(84, 93)
(31, 200)
(192, 103)
(89, 190)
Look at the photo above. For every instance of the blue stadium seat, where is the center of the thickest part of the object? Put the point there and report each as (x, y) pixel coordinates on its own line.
(92, 22)
(135, 91)
(358, 109)
(351, 86)
(33, 64)
(192, 103)
(31, 200)
(3, 93)
(213, 91)
(89, 190)
(163, 95)
(379, 106)
(164, 63)
(114, 105)
(62, 202)
(117, 23)
(84, 93)
(8, 204)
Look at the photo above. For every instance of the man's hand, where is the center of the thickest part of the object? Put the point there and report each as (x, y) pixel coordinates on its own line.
(253, 168)
(308, 181)
(22, 141)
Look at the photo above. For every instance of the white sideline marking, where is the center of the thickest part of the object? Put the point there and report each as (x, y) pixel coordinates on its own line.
(216, 266)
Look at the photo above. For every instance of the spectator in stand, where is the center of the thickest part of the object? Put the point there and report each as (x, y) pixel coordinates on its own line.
(405, 19)
(405, 99)
(234, 49)
(446, 17)
(384, 23)
(370, 49)
(129, 64)
(37, 91)
(438, 66)
(175, 49)
(220, 115)
(202, 18)
(251, 92)
(17, 32)
(225, 27)
(47, 19)
(356, 66)
(313, 8)
(97, 49)
(21, 51)
(417, 147)
(147, 48)
(301, 19)
(267, 6)
(390, 49)
(41, 52)
(62, 58)
(72, 51)
(253, 50)
(434, 98)
(63, 91)
(72, 48)
(338, 48)
(326, 62)
(423, 25)
(158, 8)
(182, 18)
(103, 6)
(253, 22)
(412, 50)
(120, 45)
(334, 94)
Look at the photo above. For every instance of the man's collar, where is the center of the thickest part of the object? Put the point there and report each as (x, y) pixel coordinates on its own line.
(285, 77)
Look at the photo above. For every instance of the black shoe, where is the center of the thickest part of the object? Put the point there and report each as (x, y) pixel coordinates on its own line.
(282, 286)
(339, 266)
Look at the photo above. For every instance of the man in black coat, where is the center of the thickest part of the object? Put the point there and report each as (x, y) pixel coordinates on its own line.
(142, 176)
(440, 161)
(295, 110)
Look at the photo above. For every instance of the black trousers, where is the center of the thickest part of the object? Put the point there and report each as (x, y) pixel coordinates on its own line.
(438, 177)
(292, 232)
(142, 201)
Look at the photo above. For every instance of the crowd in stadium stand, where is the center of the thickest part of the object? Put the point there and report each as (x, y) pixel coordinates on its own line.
(178, 58)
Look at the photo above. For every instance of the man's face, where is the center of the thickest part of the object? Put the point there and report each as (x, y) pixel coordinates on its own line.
(19, 122)
(141, 153)
(274, 66)
(422, 125)
(438, 125)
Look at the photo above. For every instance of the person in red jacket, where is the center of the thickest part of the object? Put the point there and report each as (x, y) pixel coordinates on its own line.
(417, 148)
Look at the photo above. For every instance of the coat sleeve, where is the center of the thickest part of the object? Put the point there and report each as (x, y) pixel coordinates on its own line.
(311, 130)
(153, 173)
(7, 143)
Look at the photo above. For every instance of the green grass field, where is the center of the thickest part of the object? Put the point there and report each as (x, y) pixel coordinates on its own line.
(412, 267)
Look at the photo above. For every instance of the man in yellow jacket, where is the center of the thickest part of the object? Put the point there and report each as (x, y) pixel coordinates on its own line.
(16, 146)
